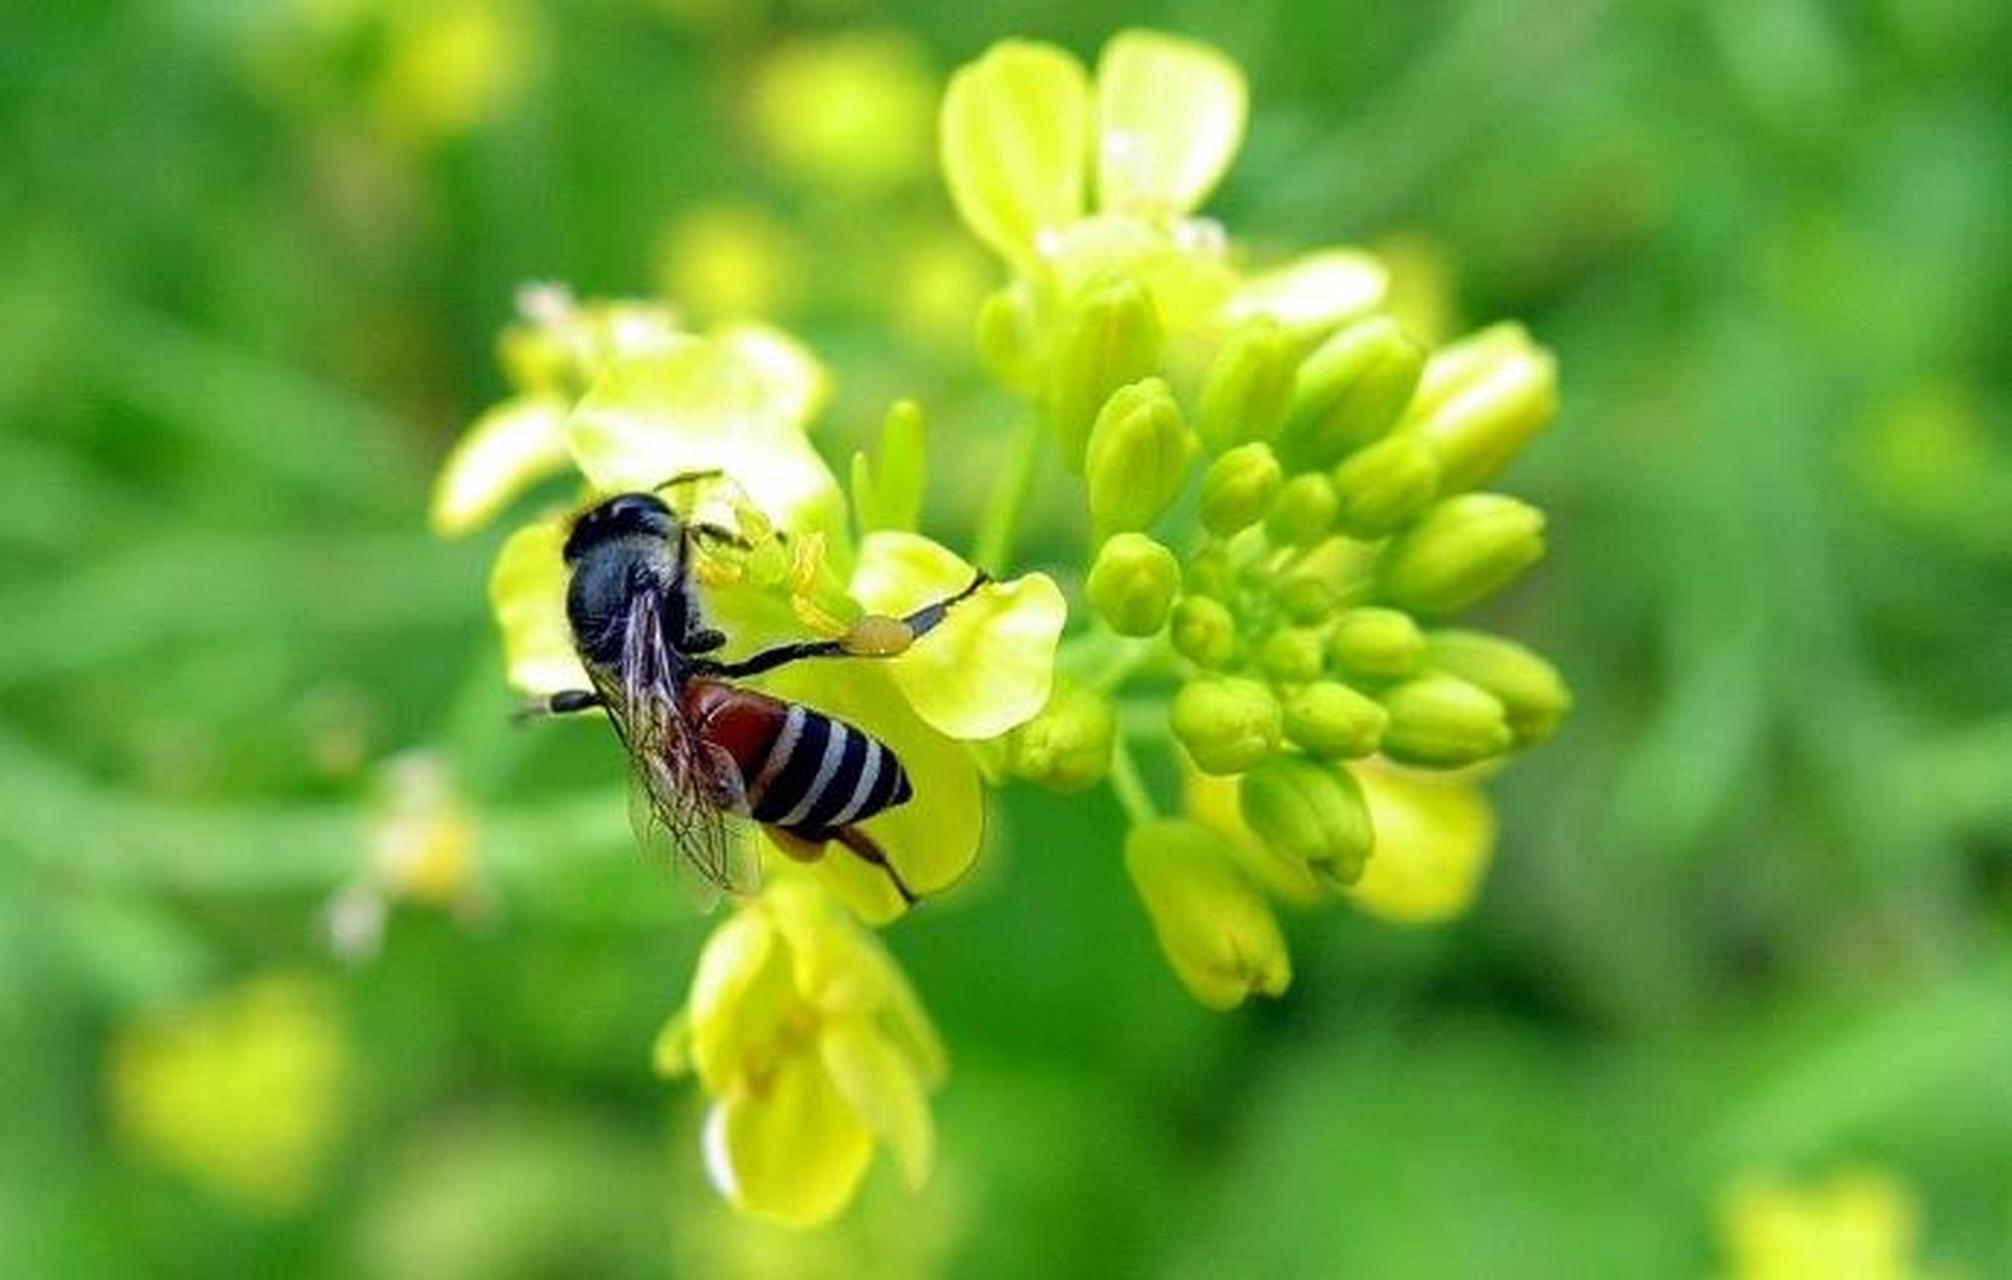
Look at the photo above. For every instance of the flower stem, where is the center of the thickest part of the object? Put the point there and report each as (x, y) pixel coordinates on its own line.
(1128, 786)
(993, 547)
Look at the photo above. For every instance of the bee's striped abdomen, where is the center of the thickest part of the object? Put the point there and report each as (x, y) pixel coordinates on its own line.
(803, 771)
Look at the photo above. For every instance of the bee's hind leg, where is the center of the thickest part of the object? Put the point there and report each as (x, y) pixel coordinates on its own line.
(862, 846)
(870, 637)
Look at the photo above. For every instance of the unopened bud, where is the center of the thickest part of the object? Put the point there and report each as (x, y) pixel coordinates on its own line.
(1330, 721)
(1481, 400)
(1006, 335)
(1238, 488)
(1375, 644)
(1067, 746)
(1218, 933)
(1133, 583)
(1530, 689)
(1461, 549)
(1443, 721)
(1245, 393)
(1209, 573)
(1227, 724)
(1203, 631)
(887, 488)
(1313, 813)
(1384, 485)
(1306, 598)
(1291, 654)
(1304, 511)
(1137, 456)
(1111, 337)
(1349, 392)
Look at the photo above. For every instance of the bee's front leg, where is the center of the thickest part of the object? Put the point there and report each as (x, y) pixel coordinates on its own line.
(871, 637)
(563, 703)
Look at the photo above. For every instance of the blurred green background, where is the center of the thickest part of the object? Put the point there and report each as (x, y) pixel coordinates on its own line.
(1752, 910)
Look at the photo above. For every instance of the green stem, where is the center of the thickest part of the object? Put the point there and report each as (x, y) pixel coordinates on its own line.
(1129, 786)
(993, 548)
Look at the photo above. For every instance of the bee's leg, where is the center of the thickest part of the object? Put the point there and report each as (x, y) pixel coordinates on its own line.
(563, 703)
(862, 846)
(868, 639)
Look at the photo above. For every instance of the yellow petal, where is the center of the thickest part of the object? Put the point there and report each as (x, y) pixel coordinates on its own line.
(881, 1086)
(792, 1150)
(1218, 933)
(527, 593)
(1312, 294)
(933, 839)
(671, 1052)
(1015, 136)
(1170, 117)
(833, 962)
(793, 379)
(702, 407)
(508, 449)
(990, 665)
(1212, 801)
(741, 995)
(1434, 839)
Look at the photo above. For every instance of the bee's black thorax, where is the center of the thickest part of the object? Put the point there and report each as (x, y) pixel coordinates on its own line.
(629, 545)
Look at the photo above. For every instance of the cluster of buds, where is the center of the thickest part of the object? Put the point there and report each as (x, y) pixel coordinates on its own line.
(1287, 492)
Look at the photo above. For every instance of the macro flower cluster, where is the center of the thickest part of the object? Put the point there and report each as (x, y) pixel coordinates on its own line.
(1289, 502)
(1287, 499)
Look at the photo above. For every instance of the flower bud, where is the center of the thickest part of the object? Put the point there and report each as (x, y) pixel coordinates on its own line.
(887, 488)
(1530, 689)
(1238, 487)
(1443, 721)
(1006, 334)
(1311, 812)
(1209, 573)
(1462, 549)
(1304, 511)
(1245, 392)
(1204, 631)
(1067, 746)
(1291, 654)
(1375, 644)
(1133, 583)
(1383, 486)
(1306, 598)
(1349, 392)
(1481, 400)
(1227, 724)
(1137, 456)
(1218, 933)
(1111, 337)
(1330, 721)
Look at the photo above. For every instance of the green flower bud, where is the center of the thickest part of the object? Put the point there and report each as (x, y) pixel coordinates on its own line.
(1218, 933)
(1238, 487)
(1133, 583)
(1375, 644)
(1067, 746)
(1349, 392)
(1384, 485)
(1306, 598)
(1111, 337)
(1137, 456)
(1530, 689)
(1304, 511)
(1227, 724)
(1443, 721)
(1461, 549)
(1292, 654)
(1007, 328)
(1480, 402)
(1330, 721)
(1204, 631)
(887, 488)
(1209, 574)
(1245, 392)
(1313, 813)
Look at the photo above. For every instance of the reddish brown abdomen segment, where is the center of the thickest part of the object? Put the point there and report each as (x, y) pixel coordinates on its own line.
(803, 770)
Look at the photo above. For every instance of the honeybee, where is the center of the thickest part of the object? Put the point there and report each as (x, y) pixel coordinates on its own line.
(704, 752)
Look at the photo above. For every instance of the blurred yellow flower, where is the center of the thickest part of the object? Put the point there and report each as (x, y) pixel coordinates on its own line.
(1857, 1224)
(730, 260)
(849, 113)
(813, 1047)
(1435, 835)
(242, 1091)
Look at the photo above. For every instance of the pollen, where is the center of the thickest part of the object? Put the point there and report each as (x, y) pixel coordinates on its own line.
(877, 636)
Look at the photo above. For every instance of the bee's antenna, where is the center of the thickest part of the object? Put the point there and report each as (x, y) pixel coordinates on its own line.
(683, 478)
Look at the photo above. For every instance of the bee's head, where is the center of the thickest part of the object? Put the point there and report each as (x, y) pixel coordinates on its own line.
(624, 515)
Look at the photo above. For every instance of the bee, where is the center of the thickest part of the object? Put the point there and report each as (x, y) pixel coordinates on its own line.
(706, 753)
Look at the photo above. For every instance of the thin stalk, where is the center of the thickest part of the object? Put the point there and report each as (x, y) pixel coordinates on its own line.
(992, 550)
(1129, 786)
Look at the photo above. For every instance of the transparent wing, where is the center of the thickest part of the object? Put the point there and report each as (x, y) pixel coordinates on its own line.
(683, 792)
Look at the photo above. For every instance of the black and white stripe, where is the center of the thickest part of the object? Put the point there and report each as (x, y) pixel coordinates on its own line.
(821, 774)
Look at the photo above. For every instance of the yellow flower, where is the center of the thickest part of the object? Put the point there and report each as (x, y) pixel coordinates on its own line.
(242, 1091)
(848, 112)
(730, 260)
(659, 402)
(1859, 1224)
(813, 1047)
